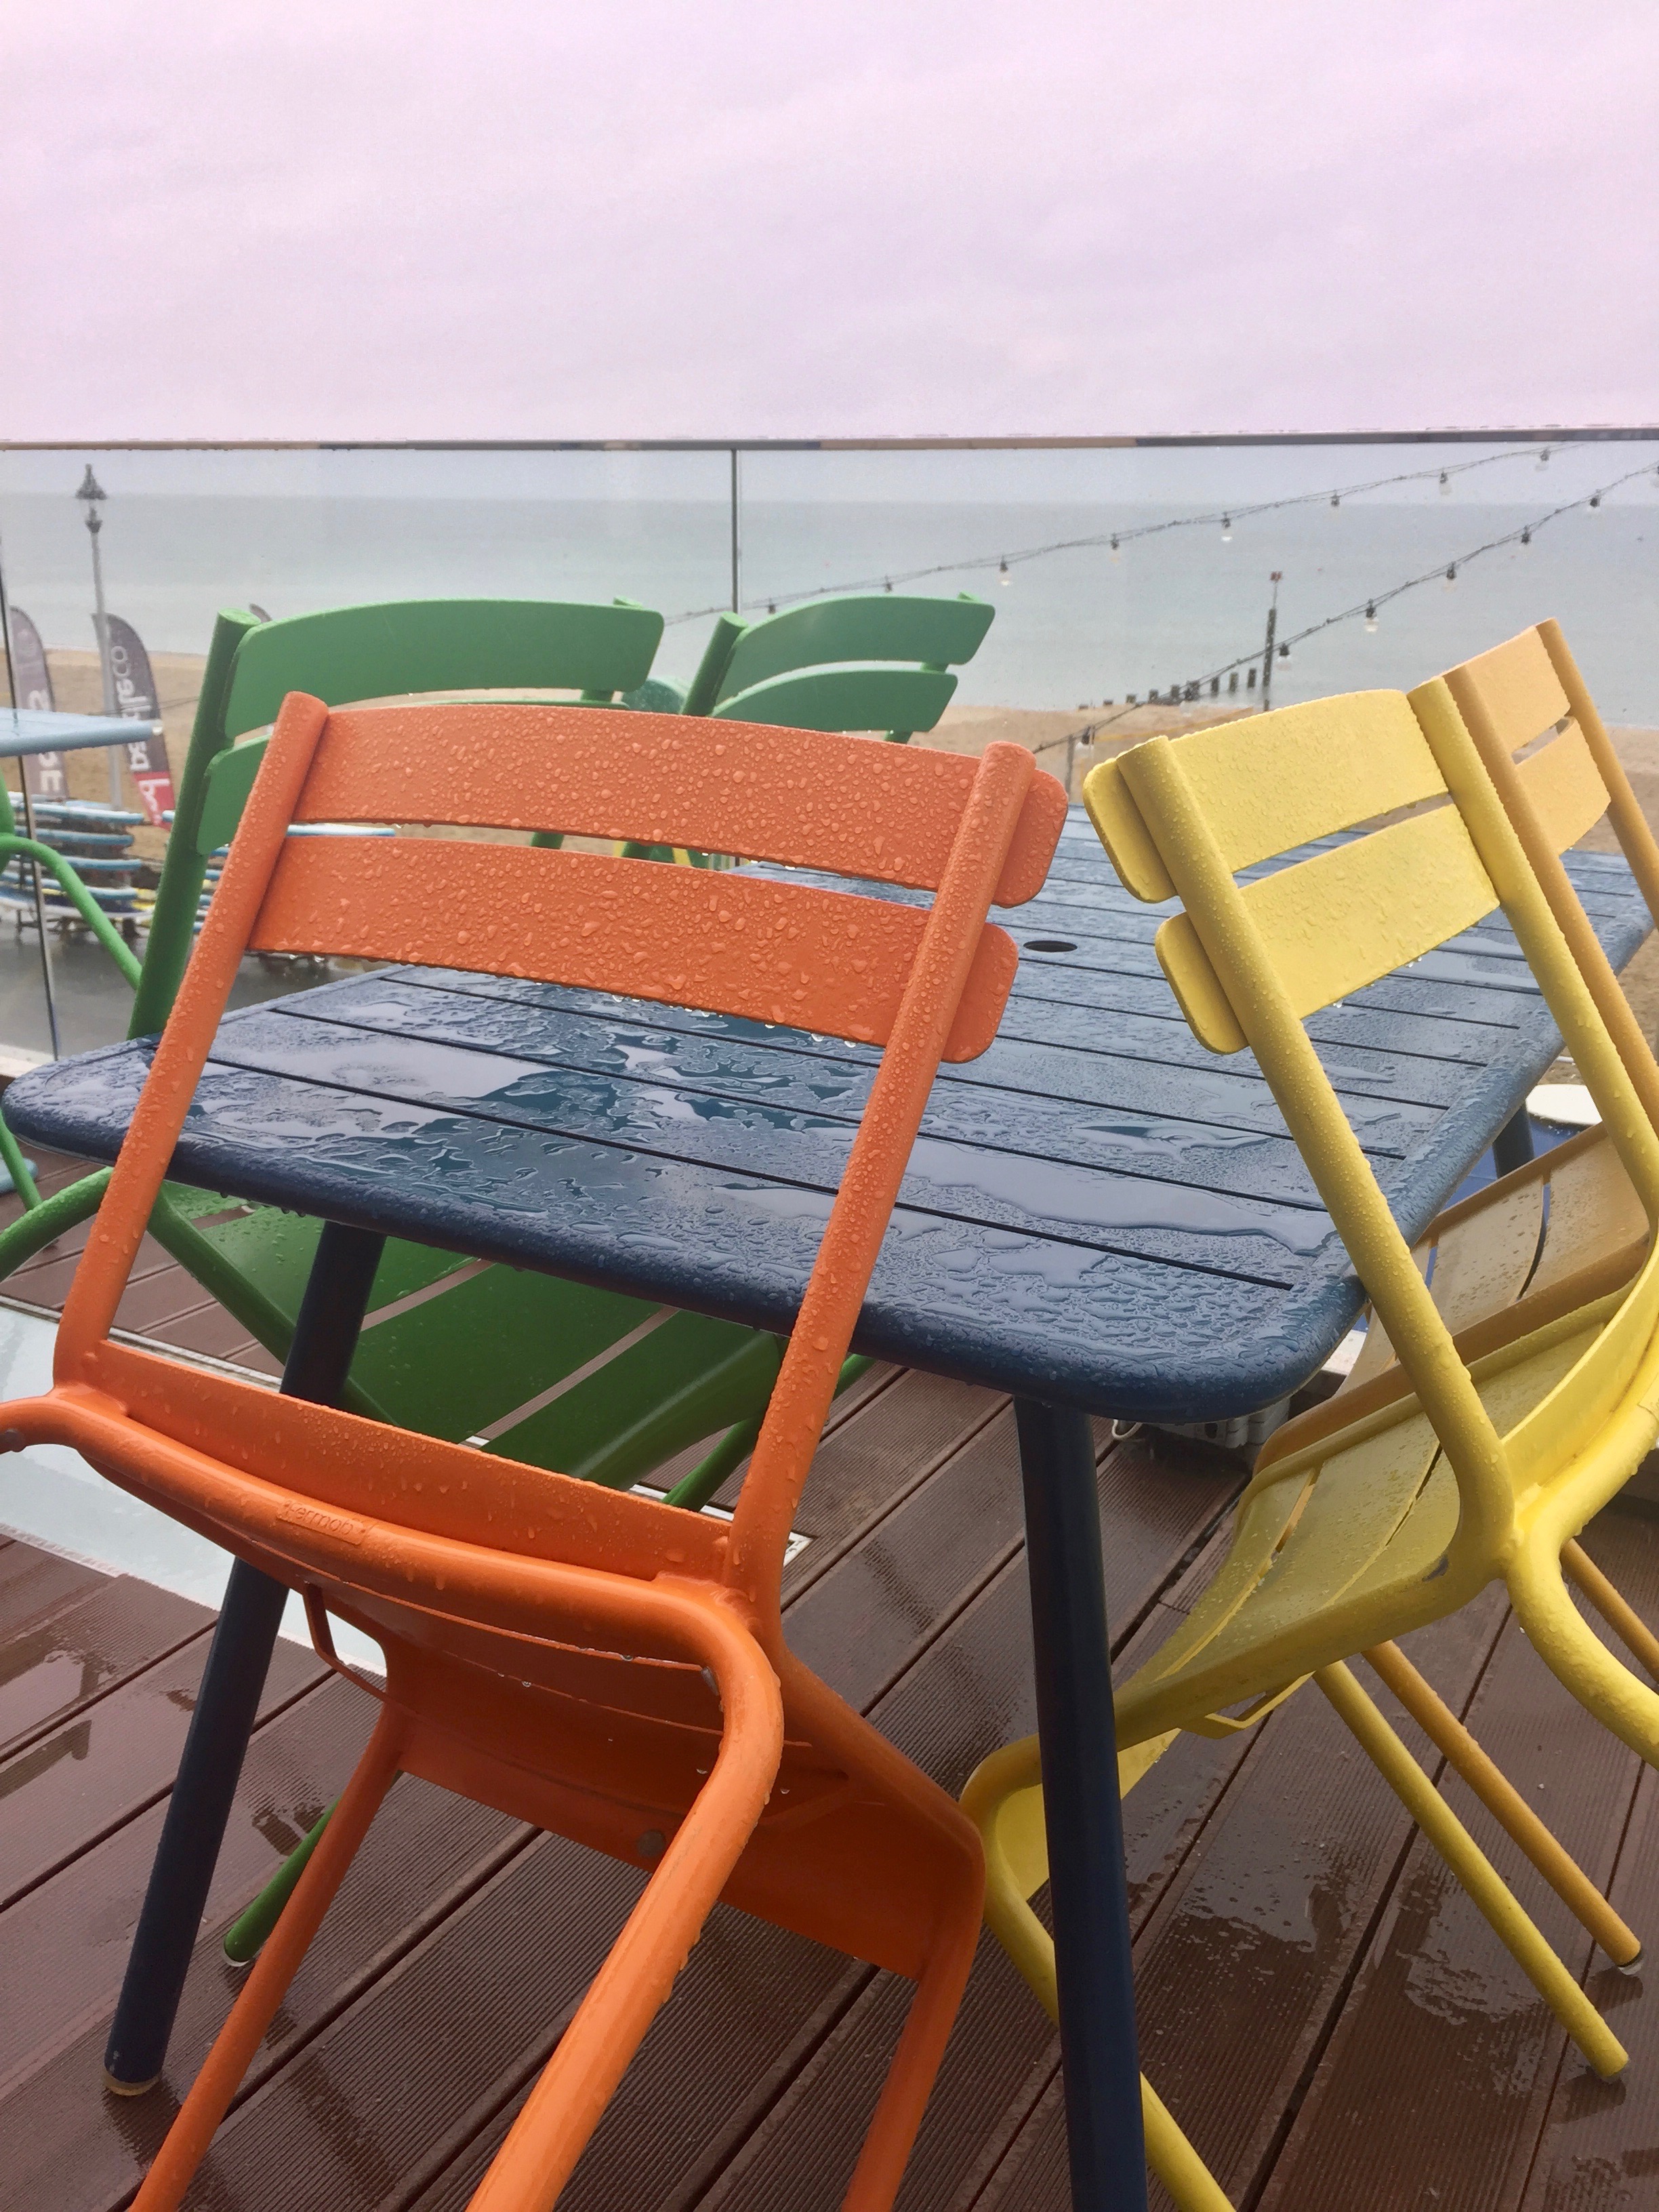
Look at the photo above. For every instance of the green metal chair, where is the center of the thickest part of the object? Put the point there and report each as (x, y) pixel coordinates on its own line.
(68, 881)
(871, 661)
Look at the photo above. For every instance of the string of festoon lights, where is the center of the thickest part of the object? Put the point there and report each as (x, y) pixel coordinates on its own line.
(1114, 541)
(1443, 572)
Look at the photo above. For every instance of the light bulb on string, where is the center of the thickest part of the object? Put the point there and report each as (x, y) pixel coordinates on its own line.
(1526, 536)
(1336, 499)
(1226, 530)
(1003, 577)
(1115, 555)
(1445, 485)
(1595, 499)
(888, 586)
(1543, 457)
(1284, 652)
(1451, 575)
(1370, 616)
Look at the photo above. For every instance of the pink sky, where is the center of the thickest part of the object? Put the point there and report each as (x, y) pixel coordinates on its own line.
(353, 218)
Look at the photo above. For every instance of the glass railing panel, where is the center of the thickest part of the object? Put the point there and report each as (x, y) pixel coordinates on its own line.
(185, 532)
(1182, 597)
(1379, 562)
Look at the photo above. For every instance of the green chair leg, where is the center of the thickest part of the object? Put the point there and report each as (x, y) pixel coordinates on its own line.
(245, 1937)
(695, 1490)
(49, 1218)
(17, 1168)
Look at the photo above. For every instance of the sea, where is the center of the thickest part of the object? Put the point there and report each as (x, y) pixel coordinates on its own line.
(1209, 539)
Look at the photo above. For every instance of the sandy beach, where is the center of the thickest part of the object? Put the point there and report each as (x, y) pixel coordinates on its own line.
(1053, 735)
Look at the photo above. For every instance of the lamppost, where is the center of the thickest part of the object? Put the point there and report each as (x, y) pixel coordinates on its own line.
(91, 491)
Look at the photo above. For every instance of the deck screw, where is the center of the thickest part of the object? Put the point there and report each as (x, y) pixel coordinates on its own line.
(651, 1843)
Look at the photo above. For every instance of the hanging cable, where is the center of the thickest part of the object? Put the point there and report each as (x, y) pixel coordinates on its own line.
(1116, 539)
(1367, 607)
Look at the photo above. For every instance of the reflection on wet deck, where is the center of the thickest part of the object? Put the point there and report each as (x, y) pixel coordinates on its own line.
(1326, 2014)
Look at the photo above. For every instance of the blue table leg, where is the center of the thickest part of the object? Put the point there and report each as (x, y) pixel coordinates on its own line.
(1084, 1817)
(1511, 1147)
(324, 1338)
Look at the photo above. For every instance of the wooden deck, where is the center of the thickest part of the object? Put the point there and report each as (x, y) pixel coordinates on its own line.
(1328, 2016)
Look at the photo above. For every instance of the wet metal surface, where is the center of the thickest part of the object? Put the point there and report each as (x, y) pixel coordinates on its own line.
(1120, 1221)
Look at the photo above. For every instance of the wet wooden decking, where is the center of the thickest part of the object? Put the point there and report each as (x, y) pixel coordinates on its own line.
(1325, 2013)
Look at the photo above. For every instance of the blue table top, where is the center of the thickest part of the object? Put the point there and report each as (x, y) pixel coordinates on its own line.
(33, 730)
(1098, 1210)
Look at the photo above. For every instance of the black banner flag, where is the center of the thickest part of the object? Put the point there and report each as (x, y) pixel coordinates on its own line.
(136, 701)
(43, 773)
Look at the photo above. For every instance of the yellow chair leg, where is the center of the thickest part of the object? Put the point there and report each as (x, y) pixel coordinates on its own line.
(1004, 1800)
(1174, 2161)
(1632, 1631)
(1618, 1696)
(1506, 1805)
(1594, 2038)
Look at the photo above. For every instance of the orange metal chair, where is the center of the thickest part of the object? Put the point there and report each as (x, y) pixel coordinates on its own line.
(604, 1666)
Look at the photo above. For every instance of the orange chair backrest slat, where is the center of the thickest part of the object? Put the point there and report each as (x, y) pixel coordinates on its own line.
(774, 952)
(807, 799)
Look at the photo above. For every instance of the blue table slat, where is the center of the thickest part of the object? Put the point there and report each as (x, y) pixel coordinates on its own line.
(1215, 1092)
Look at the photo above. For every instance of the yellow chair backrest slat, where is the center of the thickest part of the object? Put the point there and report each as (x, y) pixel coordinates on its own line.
(1517, 684)
(1565, 786)
(1276, 782)
(1338, 921)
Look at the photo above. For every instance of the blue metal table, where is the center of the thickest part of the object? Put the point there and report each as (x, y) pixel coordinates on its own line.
(42, 730)
(1100, 1216)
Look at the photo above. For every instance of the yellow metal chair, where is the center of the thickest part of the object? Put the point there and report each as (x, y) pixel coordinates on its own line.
(1480, 1450)
(1509, 698)
(1577, 1208)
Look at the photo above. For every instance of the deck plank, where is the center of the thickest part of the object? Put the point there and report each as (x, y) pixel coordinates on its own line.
(87, 2151)
(36, 1584)
(1249, 1958)
(79, 1781)
(51, 1673)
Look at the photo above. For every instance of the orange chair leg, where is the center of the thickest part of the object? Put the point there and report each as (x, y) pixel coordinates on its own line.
(577, 2083)
(267, 1984)
(909, 2083)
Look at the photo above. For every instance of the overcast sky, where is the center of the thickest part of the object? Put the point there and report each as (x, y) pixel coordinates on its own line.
(652, 218)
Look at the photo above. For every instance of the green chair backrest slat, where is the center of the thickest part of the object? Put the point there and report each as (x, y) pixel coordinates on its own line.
(881, 626)
(896, 699)
(349, 653)
(875, 626)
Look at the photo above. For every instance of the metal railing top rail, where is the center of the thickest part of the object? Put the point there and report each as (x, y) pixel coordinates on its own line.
(1548, 435)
